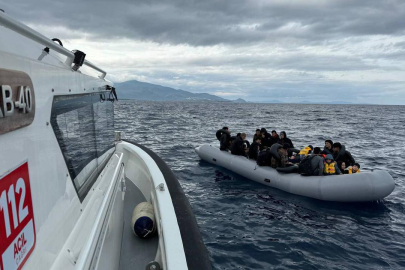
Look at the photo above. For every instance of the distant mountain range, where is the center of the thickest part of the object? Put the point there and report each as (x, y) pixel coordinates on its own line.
(146, 91)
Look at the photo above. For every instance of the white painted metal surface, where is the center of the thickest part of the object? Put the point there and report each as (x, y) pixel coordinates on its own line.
(57, 207)
(145, 170)
(67, 230)
(24, 30)
(365, 186)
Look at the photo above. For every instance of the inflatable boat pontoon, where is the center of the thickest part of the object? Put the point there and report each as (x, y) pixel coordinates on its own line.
(362, 187)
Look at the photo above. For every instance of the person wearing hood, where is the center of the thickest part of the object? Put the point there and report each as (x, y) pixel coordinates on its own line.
(330, 166)
(254, 149)
(266, 140)
(224, 137)
(328, 147)
(274, 137)
(317, 162)
(257, 135)
(282, 152)
(283, 139)
(238, 146)
(340, 154)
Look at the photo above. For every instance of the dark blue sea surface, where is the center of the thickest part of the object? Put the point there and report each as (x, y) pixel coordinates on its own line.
(246, 225)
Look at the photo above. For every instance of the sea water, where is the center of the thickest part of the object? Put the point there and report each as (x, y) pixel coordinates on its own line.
(246, 225)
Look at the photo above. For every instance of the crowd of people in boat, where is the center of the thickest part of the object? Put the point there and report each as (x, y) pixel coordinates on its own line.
(278, 151)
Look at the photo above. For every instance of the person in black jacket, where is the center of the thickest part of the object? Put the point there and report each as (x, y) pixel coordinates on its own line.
(328, 147)
(257, 135)
(254, 149)
(238, 146)
(266, 138)
(264, 158)
(284, 139)
(224, 137)
(340, 154)
(274, 137)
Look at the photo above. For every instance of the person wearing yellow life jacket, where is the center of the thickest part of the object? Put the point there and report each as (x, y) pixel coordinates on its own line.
(330, 166)
(306, 150)
(354, 169)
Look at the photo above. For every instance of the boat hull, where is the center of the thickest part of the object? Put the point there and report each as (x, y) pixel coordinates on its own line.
(363, 187)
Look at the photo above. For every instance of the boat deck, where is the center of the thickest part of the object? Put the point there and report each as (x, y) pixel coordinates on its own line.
(136, 253)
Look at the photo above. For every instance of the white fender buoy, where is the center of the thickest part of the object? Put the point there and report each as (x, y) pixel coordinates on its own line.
(143, 220)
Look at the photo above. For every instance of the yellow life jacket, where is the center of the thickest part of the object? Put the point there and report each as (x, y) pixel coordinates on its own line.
(305, 151)
(329, 168)
(351, 170)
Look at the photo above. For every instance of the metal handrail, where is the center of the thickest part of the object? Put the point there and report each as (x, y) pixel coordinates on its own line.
(30, 33)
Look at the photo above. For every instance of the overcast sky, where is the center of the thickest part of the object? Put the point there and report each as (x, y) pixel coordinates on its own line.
(312, 50)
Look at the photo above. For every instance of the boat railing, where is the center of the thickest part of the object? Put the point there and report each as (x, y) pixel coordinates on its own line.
(30, 33)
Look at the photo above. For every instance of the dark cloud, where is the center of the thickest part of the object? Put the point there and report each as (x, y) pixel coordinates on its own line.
(211, 22)
(289, 61)
(295, 50)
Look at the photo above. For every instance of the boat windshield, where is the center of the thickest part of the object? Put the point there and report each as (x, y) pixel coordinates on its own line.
(84, 128)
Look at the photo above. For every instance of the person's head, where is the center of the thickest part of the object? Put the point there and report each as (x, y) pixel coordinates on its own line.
(343, 165)
(274, 133)
(243, 136)
(238, 134)
(336, 147)
(257, 131)
(225, 128)
(317, 151)
(328, 144)
(283, 135)
(355, 167)
(329, 158)
(263, 131)
(258, 140)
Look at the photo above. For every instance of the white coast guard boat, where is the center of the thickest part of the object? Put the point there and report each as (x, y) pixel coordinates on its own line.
(68, 185)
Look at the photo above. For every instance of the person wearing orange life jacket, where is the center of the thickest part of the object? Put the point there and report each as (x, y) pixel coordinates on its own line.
(330, 166)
